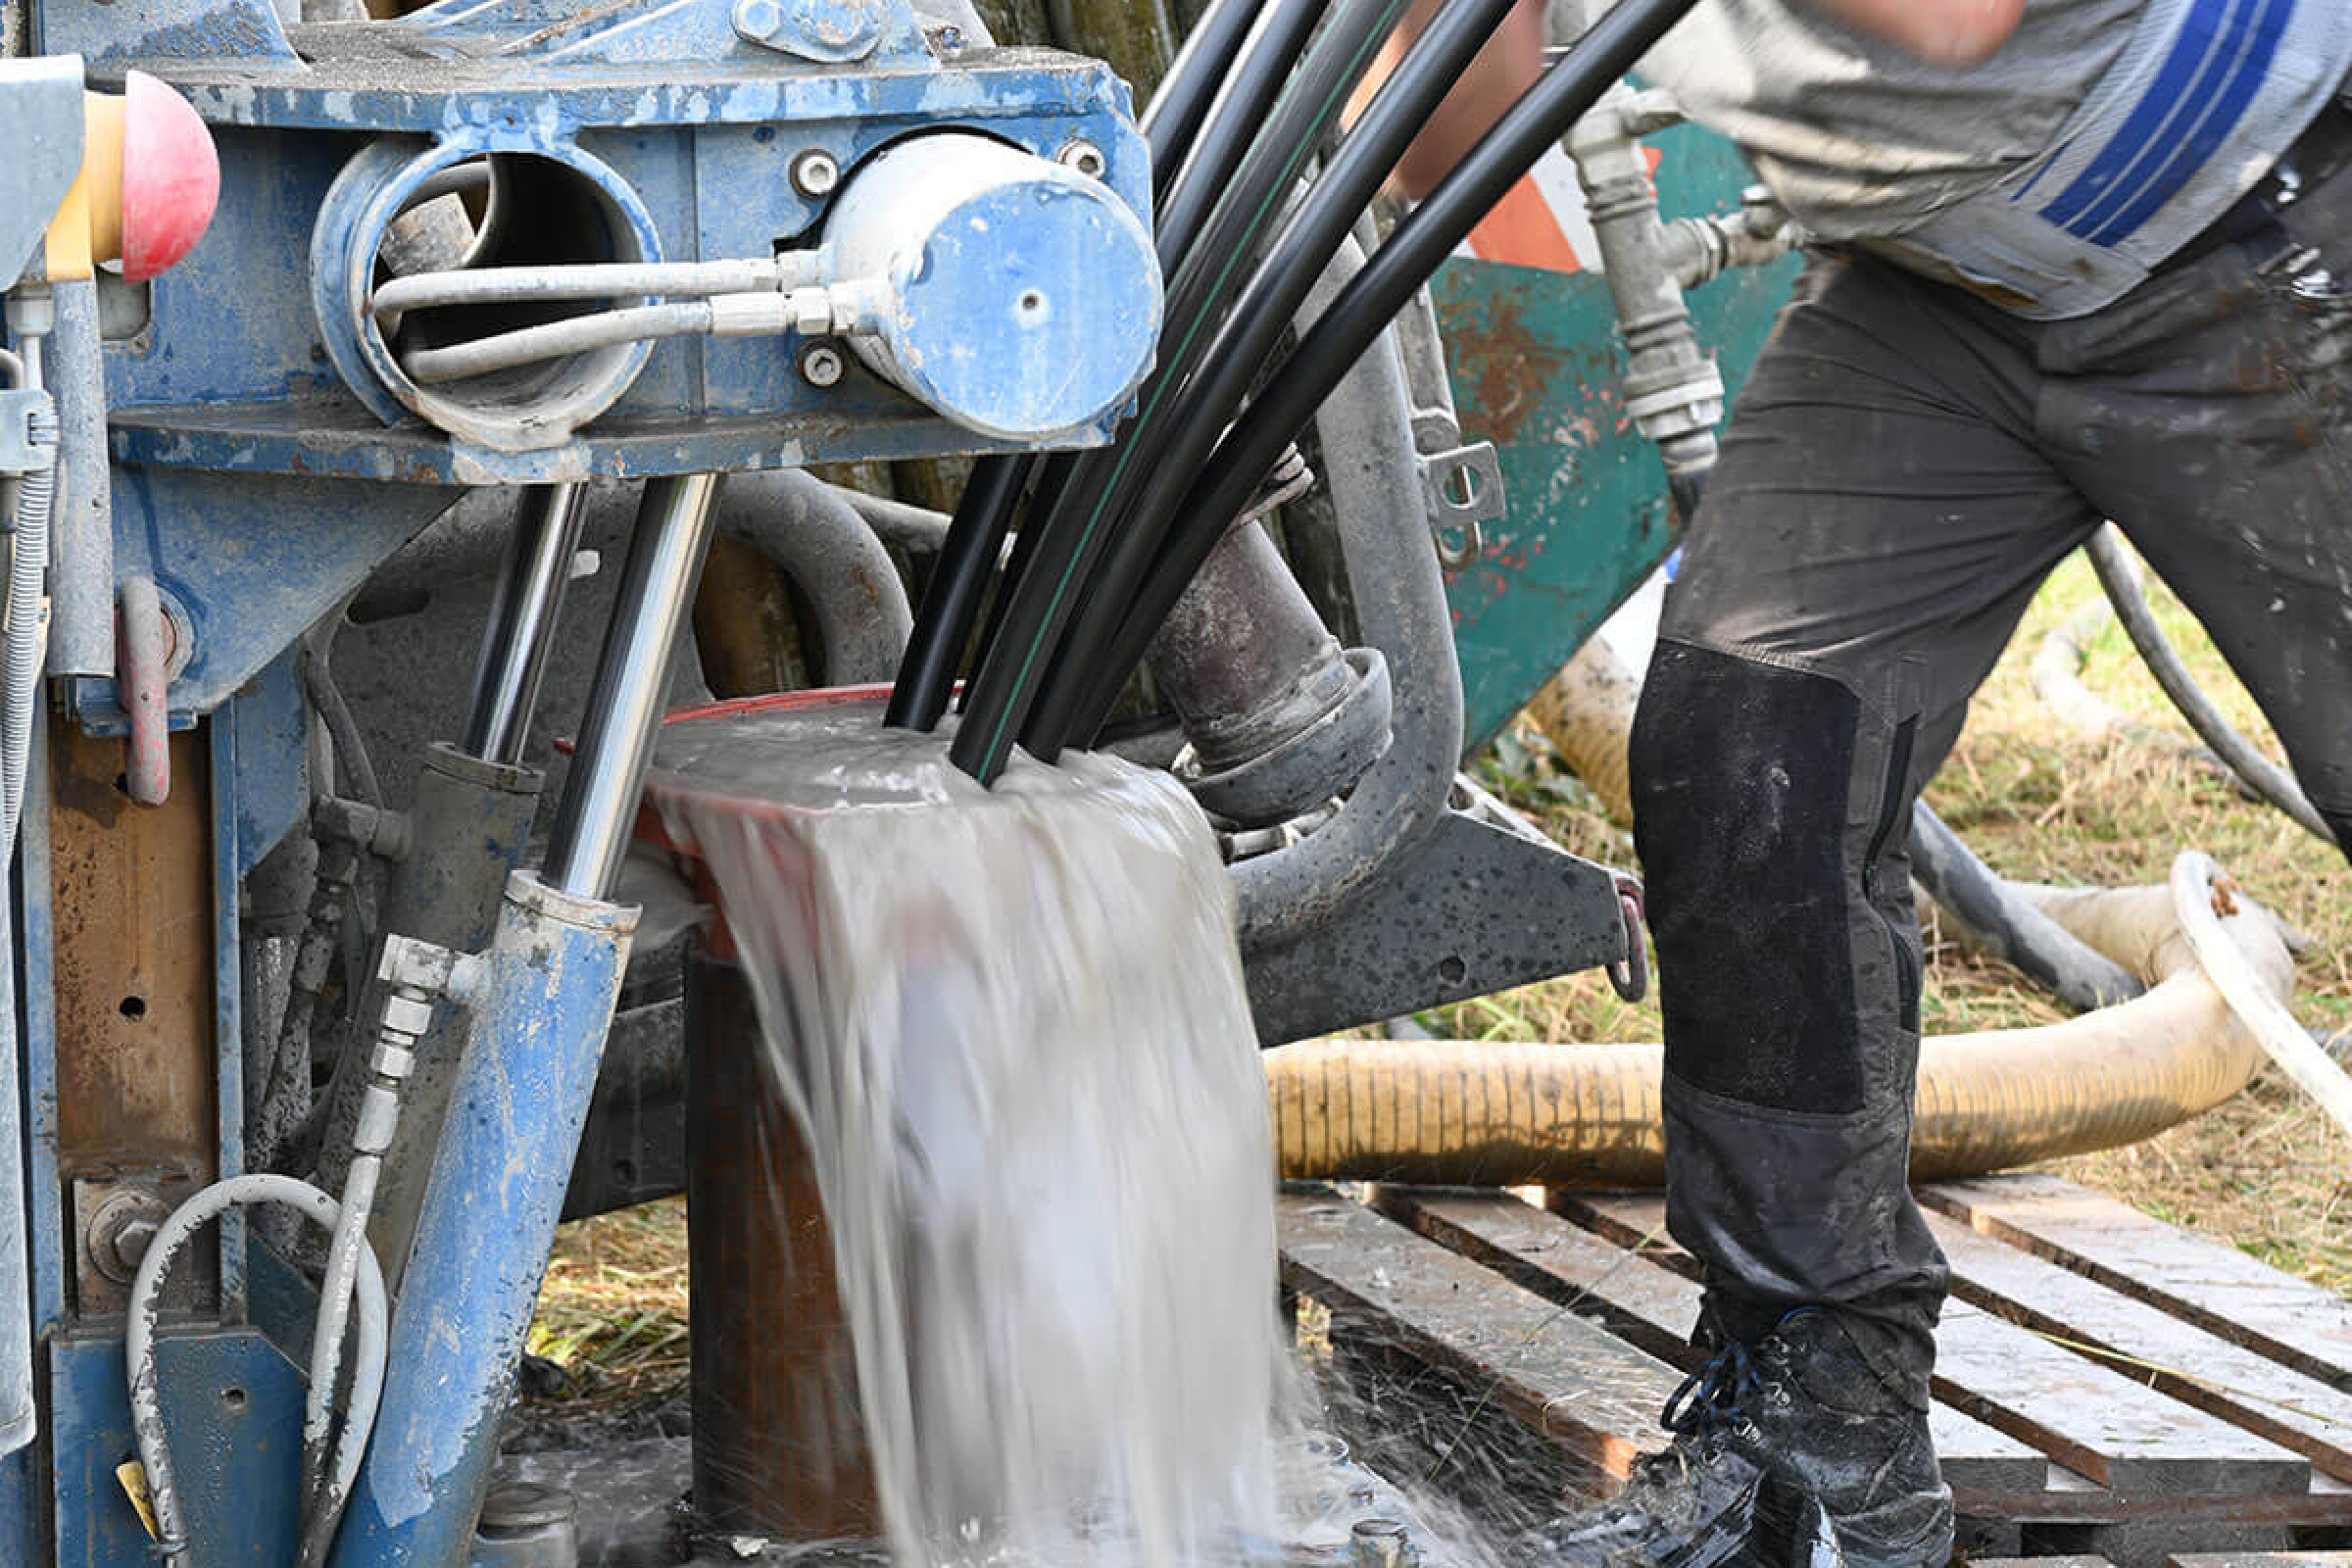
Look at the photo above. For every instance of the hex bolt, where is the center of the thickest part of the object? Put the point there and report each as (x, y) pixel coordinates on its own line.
(814, 173)
(1084, 157)
(130, 1241)
(821, 363)
(757, 21)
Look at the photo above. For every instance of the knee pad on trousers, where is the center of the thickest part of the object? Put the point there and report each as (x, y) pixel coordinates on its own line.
(1741, 777)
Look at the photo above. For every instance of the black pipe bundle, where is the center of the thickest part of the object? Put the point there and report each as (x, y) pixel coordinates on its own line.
(1111, 539)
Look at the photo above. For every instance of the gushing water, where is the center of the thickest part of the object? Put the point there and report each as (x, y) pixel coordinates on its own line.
(1012, 1026)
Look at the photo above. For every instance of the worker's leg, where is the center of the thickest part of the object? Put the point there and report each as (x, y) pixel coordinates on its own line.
(1875, 527)
(2214, 423)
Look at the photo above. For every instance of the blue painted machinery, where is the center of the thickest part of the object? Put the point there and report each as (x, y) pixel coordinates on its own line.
(330, 993)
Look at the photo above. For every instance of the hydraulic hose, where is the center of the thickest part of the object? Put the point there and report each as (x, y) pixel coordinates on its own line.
(1189, 94)
(146, 1399)
(1042, 603)
(1231, 359)
(2265, 779)
(943, 621)
(1567, 89)
(1243, 104)
(1484, 1114)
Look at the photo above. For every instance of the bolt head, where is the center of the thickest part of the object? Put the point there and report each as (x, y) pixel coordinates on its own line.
(1084, 157)
(814, 173)
(131, 1242)
(821, 363)
(757, 20)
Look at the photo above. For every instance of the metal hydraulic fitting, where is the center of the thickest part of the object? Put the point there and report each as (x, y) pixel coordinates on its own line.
(373, 830)
(1673, 390)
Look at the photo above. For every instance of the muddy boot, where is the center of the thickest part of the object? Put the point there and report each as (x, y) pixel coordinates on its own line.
(1769, 1444)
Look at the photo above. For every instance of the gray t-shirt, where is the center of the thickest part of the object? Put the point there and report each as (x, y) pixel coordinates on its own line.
(1908, 139)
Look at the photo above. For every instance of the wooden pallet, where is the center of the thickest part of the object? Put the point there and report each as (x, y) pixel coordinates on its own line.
(2104, 1383)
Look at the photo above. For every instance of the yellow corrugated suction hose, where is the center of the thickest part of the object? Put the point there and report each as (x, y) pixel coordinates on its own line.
(1484, 1114)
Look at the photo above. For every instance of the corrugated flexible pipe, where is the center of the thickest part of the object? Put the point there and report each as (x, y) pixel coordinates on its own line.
(1481, 1114)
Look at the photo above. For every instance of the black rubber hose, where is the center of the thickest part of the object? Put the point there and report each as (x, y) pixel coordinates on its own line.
(2253, 769)
(1250, 335)
(1243, 106)
(1195, 81)
(1420, 244)
(1039, 605)
(2006, 926)
(952, 602)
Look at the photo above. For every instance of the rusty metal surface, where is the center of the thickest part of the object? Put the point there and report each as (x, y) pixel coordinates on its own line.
(778, 1447)
(132, 902)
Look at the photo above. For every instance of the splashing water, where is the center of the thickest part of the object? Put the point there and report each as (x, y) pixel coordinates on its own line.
(1012, 1027)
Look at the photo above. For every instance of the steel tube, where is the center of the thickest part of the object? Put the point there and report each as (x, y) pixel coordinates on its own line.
(81, 532)
(523, 621)
(591, 830)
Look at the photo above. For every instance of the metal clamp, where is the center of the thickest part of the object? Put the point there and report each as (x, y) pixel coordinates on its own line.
(1629, 976)
(1476, 473)
(28, 430)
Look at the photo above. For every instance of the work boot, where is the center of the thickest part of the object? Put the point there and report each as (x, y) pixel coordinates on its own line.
(1793, 1453)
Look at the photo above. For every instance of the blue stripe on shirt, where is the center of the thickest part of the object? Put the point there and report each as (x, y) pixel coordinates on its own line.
(2180, 80)
(2207, 138)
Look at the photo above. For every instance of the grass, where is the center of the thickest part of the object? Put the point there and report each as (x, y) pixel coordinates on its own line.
(2264, 1172)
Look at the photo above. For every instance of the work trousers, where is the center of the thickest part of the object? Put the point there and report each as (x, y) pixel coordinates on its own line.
(1904, 466)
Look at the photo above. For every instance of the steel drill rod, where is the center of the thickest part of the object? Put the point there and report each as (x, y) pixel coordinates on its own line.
(1363, 309)
(523, 621)
(599, 807)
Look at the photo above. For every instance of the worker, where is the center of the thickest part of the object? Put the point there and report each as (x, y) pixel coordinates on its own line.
(2071, 260)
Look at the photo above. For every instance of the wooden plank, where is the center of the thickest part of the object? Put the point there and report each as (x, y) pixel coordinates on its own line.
(1655, 1310)
(2038, 1562)
(2260, 1560)
(2218, 1287)
(2151, 1345)
(2127, 1437)
(1578, 1384)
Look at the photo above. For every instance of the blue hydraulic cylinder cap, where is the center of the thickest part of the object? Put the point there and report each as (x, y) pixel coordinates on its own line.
(1017, 296)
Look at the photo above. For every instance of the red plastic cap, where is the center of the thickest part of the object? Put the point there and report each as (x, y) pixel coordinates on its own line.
(170, 178)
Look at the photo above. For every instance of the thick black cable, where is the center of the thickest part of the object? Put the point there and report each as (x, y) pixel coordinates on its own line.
(943, 622)
(1039, 605)
(959, 579)
(1249, 335)
(1363, 309)
(1195, 81)
(1247, 97)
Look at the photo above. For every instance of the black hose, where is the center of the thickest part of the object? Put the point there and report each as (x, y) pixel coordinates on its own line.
(1243, 106)
(1417, 249)
(1195, 80)
(951, 601)
(2256, 771)
(1242, 345)
(2006, 926)
(1071, 537)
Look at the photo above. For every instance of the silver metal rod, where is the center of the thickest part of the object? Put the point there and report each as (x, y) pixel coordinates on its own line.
(81, 533)
(592, 820)
(523, 621)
